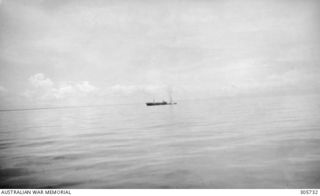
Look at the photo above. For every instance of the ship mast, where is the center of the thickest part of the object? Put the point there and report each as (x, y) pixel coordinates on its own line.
(170, 94)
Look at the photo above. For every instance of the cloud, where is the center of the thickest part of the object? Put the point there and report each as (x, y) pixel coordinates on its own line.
(39, 80)
(85, 87)
(43, 88)
(72, 90)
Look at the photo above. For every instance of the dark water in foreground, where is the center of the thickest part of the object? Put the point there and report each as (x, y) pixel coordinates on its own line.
(270, 142)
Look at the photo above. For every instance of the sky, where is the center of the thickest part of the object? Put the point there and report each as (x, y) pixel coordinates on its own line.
(87, 52)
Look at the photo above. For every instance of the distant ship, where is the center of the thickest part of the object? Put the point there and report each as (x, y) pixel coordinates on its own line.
(161, 103)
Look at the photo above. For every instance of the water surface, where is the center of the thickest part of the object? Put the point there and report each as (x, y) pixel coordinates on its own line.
(260, 142)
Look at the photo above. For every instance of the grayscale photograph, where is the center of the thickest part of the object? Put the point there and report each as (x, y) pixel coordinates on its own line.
(159, 94)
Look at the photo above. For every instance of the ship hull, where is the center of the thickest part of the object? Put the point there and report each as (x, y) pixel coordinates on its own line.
(159, 103)
(156, 103)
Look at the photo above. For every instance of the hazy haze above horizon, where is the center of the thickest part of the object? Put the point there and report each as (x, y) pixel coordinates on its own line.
(67, 52)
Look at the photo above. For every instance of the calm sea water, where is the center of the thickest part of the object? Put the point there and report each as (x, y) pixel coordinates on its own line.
(265, 142)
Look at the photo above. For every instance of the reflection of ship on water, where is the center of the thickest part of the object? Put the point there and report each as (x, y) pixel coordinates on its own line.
(163, 102)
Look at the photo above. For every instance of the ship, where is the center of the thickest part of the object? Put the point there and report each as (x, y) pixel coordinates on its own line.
(161, 103)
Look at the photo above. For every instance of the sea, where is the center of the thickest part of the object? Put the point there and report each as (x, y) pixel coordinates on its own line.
(237, 142)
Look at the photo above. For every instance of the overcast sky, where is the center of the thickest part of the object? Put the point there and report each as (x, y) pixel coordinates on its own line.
(73, 52)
